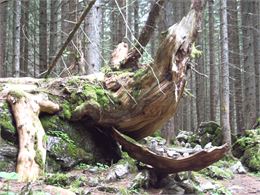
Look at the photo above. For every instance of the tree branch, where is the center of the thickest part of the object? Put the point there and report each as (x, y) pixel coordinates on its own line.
(146, 34)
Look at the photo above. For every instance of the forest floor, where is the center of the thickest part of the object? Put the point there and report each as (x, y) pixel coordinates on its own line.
(243, 184)
(240, 184)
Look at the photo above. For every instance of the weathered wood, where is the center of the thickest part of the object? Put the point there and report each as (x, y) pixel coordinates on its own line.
(137, 103)
(32, 141)
(168, 165)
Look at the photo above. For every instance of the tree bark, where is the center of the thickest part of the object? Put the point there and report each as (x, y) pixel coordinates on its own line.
(43, 36)
(248, 59)
(24, 38)
(224, 100)
(32, 140)
(213, 67)
(93, 31)
(17, 39)
(3, 21)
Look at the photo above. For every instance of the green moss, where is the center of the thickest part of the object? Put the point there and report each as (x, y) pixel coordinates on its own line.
(251, 158)
(64, 136)
(140, 73)
(97, 94)
(6, 120)
(58, 179)
(50, 121)
(131, 162)
(195, 53)
(217, 173)
(17, 93)
(66, 110)
(38, 159)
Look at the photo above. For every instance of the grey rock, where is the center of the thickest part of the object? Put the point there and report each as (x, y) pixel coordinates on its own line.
(121, 170)
(175, 189)
(107, 189)
(141, 180)
(186, 154)
(187, 145)
(8, 151)
(92, 182)
(172, 153)
(238, 168)
(208, 186)
(208, 146)
(159, 151)
(197, 148)
(111, 176)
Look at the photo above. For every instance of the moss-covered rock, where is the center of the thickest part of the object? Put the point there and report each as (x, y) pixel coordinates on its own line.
(7, 127)
(80, 141)
(210, 132)
(8, 154)
(216, 172)
(248, 149)
(251, 158)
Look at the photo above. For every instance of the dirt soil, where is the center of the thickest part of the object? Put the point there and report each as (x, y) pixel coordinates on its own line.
(243, 184)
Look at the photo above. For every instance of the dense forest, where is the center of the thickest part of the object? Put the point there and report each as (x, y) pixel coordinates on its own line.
(39, 39)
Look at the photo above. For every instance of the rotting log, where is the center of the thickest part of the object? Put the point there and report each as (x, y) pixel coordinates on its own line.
(137, 101)
(32, 141)
(166, 165)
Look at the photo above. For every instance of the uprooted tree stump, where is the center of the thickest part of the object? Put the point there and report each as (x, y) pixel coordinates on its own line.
(136, 101)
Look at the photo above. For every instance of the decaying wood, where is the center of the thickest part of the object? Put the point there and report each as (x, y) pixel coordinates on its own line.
(145, 35)
(32, 141)
(166, 165)
(137, 102)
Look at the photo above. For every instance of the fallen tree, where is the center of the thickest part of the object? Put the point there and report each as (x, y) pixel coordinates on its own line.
(135, 99)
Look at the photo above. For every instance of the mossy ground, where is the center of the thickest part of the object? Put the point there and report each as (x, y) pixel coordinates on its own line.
(6, 120)
(248, 149)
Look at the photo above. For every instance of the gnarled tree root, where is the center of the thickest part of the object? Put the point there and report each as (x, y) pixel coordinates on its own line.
(32, 140)
(166, 165)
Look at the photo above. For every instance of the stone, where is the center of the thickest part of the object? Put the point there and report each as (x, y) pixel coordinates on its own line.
(207, 186)
(159, 151)
(175, 189)
(208, 146)
(238, 168)
(197, 148)
(121, 170)
(92, 182)
(172, 153)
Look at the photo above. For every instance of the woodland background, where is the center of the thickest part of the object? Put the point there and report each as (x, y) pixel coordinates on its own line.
(31, 32)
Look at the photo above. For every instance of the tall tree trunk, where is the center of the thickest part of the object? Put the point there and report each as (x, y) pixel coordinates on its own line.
(24, 38)
(214, 96)
(43, 44)
(53, 29)
(93, 30)
(248, 58)
(200, 91)
(224, 105)
(121, 23)
(136, 19)
(168, 130)
(236, 64)
(256, 23)
(17, 38)
(3, 31)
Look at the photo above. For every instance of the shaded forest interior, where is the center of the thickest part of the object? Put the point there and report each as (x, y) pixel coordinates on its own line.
(100, 43)
(32, 32)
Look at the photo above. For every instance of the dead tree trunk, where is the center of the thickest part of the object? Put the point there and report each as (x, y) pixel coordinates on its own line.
(137, 102)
